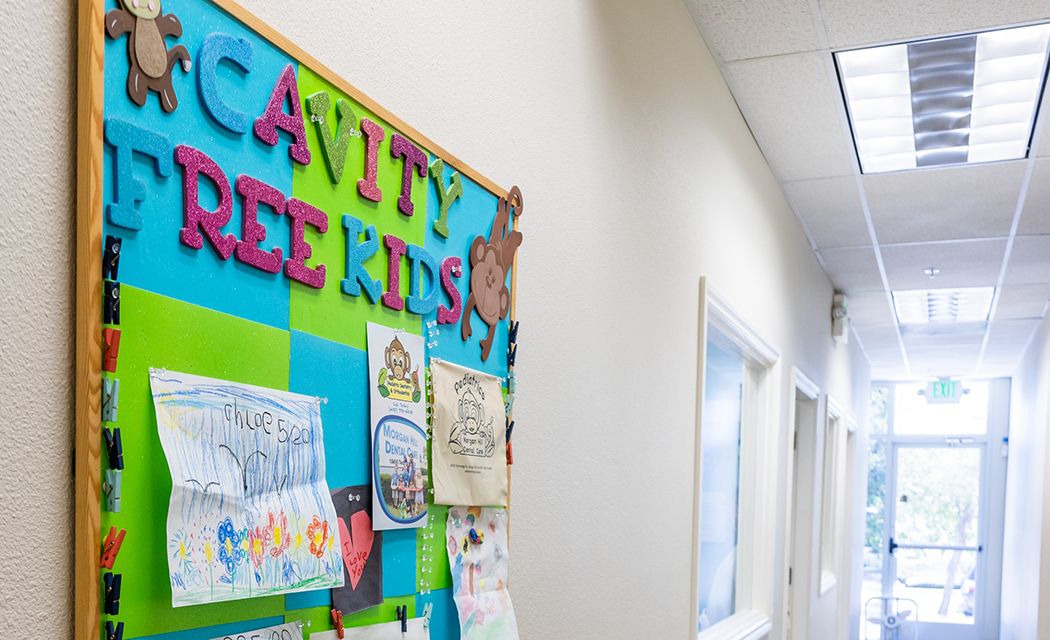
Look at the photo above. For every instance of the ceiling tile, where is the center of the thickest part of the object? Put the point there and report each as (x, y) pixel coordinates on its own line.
(1019, 301)
(944, 361)
(793, 110)
(976, 201)
(765, 28)
(1029, 261)
(1012, 331)
(998, 369)
(884, 357)
(878, 336)
(870, 308)
(963, 264)
(859, 22)
(919, 341)
(831, 209)
(1003, 353)
(853, 270)
(1035, 218)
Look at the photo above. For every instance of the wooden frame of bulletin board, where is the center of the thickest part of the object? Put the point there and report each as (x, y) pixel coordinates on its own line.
(95, 193)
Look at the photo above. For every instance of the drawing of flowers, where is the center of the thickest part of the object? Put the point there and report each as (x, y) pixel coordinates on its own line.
(230, 553)
(258, 541)
(317, 534)
(181, 548)
(279, 533)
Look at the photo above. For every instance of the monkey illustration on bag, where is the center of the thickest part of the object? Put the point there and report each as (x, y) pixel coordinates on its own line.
(398, 381)
(148, 54)
(489, 263)
(471, 435)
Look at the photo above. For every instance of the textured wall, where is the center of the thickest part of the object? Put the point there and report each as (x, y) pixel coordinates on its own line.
(37, 183)
(639, 176)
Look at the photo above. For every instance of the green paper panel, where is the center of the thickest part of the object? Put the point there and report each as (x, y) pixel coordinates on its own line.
(320, 618)
(434, 573)
(328, 312)
(162, 332)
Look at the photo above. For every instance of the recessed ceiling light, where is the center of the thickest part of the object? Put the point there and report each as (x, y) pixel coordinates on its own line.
(943, 305)
(957, 100)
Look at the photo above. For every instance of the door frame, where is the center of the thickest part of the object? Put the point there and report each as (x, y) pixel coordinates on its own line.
(991, 512)
(798, 557)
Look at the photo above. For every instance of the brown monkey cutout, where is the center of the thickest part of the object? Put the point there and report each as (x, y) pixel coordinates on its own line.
(150, 59)
(489, 263)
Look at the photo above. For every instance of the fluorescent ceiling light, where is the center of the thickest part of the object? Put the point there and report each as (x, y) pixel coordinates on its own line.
(957, 100)
(943, 305)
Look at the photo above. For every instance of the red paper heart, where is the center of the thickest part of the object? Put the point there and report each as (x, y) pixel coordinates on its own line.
(356, 548)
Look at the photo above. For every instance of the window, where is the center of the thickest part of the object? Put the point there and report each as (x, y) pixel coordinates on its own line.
(720, 501)
(735, 477)
(834, 479)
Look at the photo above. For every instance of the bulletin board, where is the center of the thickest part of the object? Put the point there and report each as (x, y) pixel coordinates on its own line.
(243, 215)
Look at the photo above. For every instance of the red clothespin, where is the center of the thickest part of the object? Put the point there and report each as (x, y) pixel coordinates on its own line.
(111, 547)
(510, 453)
(110, 349)
(337, 620)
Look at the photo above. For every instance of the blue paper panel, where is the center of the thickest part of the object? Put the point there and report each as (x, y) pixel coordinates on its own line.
(335, 371)
(469, 217)
(444, 622)
(399, 562)
(153, 258)
(217, 631)
(308, 599)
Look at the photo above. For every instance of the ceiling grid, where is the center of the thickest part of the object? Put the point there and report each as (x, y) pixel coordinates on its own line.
(876, 233)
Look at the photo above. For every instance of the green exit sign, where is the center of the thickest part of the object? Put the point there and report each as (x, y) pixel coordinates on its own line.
(944, 392)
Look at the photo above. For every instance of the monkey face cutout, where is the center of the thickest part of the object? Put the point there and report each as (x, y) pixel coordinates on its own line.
(146, 9)
(487, 283)
(489, 263)
(398, 362)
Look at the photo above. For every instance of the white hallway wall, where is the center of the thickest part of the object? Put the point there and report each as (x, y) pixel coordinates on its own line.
(1026, 556)
(639, 177)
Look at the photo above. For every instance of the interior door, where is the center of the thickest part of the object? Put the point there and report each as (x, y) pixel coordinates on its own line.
(936, 556)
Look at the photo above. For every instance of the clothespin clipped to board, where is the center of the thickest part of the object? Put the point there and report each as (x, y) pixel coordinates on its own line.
(114, 448)
(428, 609)
(111, 257)
(110, 395)
(110, 349)
(510, 382)
(112, 593)
(337, 620)
(111, 303)
(111, 547)
(510, 405)
(116, 633)
(112, 490)
(402, 615)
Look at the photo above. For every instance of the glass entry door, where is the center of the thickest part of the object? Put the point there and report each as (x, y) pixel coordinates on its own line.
(935, 554)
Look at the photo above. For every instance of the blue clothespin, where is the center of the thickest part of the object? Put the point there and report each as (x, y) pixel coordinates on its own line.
(510, 405)
(513, 331)
(428, 609)
(402, 615)
(114, 448)
(112, 490)
(110, 396)
(510, 430)
(114, 634)
(111, 303)
(512, 354)
(111, 257)
(510, 381)
(112, 605)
